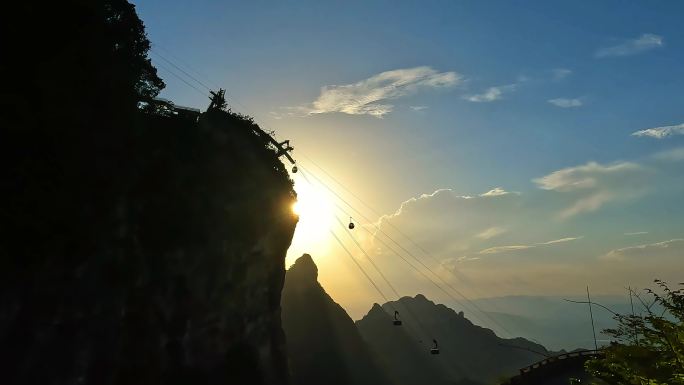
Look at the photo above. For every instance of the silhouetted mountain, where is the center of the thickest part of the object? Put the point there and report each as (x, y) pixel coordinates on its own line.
(467, 352)
(139, 246)
(323, 344)
(405, 358)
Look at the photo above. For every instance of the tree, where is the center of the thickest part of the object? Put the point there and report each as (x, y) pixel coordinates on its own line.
(648, 349)
(129, 47)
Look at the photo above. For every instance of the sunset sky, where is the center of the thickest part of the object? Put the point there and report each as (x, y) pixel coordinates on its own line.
(523, 150)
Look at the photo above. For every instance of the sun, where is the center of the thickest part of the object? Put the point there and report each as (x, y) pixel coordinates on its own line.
(297, 208)
(316, 212)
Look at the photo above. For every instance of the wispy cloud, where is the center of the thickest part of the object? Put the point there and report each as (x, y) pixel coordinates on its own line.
(451, 262)
(418, 108)
(495, 192)
(637, 233)
(643, 43)
(491, 94)
(565, 103)
(371, 96)
(504, 249)
(581, 177)
(560, 73)
(649, 250)
(593, 184)
(562, 240)
(661, 132)
(491, 232)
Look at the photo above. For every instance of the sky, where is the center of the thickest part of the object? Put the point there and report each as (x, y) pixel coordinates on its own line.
(510, 148)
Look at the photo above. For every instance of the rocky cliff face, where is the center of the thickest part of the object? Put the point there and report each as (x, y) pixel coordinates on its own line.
(151, 252)
(137, 247)
(323, 343)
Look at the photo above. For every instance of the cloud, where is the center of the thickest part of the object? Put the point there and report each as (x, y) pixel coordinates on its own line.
(452, 223)
(491, 232)
(592, 185)
(503, 249)
(637, 233)
(661, 132)
(582, 177)
(565, 103)
(418, 108)
(671, 248)
(561, 240)
(450, 263)
(643, 43)
(495, 192)
(370, 96)
(509, 243)
(560, 73)
(491, 94)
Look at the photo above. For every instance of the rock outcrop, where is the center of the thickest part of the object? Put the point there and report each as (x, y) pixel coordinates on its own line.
(323, 343)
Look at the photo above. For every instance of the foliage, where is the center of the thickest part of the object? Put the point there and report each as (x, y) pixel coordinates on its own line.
(648, 349)
(129, 47)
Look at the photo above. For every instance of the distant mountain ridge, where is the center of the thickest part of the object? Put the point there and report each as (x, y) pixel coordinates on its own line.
(554, 322)
(467, 351)
(326, 347)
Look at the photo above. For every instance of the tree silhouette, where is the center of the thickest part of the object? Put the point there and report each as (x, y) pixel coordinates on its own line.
(647, 349)
(129, 48)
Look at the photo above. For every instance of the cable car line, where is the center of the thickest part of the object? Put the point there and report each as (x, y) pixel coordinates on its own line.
(401, 257)
(389, 284)
(387, 220)
(180, 69)
(359, 266)
(394, 290)
(416, 259)
(351, 224)
(379, 271)
(377, 288)
(184, 63)
(425, 252)
(474, 314)
(167, 69)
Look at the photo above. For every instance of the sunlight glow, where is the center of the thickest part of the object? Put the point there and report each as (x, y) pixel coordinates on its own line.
(316, 212)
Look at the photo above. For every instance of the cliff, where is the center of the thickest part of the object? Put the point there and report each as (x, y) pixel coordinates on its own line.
(139, 247)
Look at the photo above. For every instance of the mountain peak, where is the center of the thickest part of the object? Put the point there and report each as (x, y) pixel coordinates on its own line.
(421, 297)
(304, 267)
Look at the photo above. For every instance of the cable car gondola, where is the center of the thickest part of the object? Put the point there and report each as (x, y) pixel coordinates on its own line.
(435, 348)
(397, 321)
(351, 224)
(294, 169)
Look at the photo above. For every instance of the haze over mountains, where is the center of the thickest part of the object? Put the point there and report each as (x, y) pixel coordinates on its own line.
(553, 321)
(326, 346)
